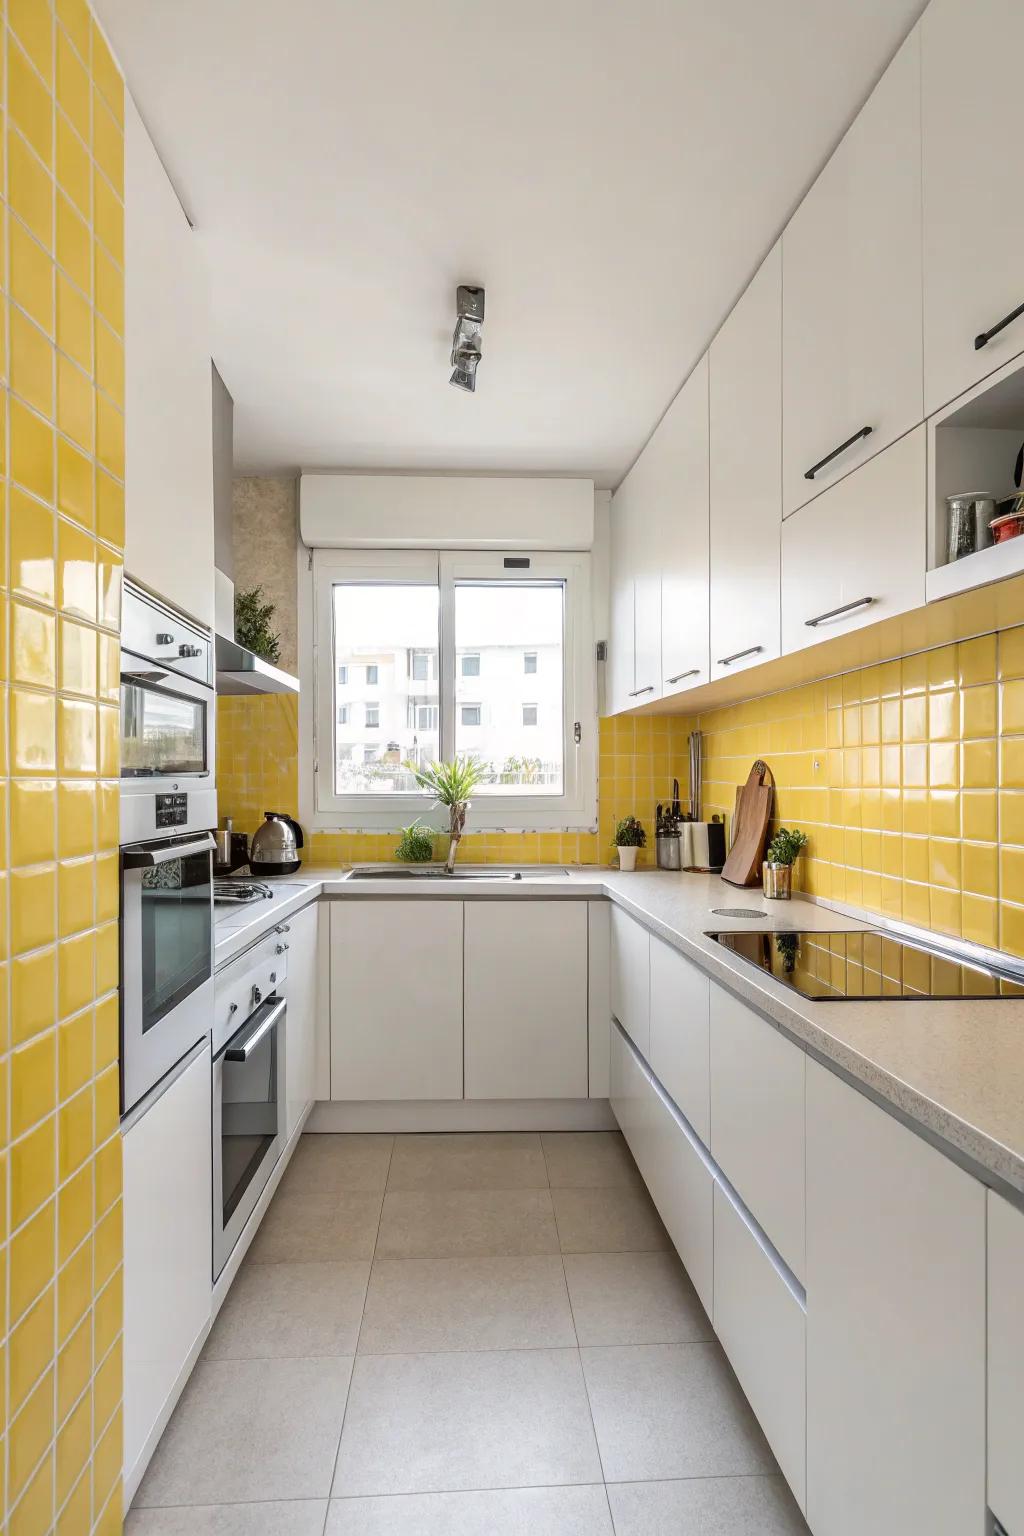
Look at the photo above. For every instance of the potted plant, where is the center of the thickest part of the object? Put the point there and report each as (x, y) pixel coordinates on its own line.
(629, 836)
(451, 785)
(777, 871)
(416, 845)
(252, 624)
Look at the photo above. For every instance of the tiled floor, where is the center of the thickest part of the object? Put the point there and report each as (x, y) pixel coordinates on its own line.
(463, 1336)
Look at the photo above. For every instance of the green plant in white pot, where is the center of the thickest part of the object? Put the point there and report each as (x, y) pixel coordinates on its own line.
(629, 837)
(451, 785)
(777, 872)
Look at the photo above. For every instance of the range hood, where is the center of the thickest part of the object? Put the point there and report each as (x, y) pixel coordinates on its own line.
(243, 672)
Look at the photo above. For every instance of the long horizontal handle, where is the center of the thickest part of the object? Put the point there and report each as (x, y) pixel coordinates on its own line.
(985, 337)
(149, 858)
(727, 661)
(241, 1050)
(638, 691)
(810, 473)
(835, 613)
(693, 671)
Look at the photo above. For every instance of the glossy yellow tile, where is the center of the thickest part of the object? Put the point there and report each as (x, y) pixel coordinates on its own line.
(29, 104)
(32, 363)
(107, 75)
(76, 819)
(33, 1083)
(33, 646)
(31, 276)
(74, 244)
(33, 733)
(33, 994)
(73, 89)
(31, 451)
(33, 900)
(33, 805)
(74, 168)
(75, 402)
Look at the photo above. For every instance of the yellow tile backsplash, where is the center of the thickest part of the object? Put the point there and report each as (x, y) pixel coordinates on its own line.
(61, 537)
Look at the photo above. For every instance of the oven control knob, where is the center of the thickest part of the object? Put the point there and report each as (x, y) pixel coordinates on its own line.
(233, 1008)
(190, 650)
(281, 948)
(257, 996)
(164, 639)
(273, 976)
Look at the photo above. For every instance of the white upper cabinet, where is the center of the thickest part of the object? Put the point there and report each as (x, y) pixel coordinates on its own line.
(620, 672)
(679, 496)
(973, 215)
(851, 264)
(168, 389)
(746, 476)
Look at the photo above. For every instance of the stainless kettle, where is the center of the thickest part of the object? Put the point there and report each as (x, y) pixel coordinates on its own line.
(275, 845)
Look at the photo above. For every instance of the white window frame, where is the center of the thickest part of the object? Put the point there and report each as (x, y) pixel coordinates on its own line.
(574, 810)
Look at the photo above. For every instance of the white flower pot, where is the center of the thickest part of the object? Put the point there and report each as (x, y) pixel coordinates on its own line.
(627, 858)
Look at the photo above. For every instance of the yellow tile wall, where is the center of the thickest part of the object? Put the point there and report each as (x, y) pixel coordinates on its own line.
(909, 779)
(61, 448)
(257, 771)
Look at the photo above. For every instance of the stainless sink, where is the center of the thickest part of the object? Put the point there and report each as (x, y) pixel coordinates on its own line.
(433, 873)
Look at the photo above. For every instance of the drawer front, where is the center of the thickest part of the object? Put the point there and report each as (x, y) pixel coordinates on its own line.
(680, 1034)
(628, 1088)
(681, 1186)
(264, 966)
(630, 978)
(763, 1329)
(757, 1120)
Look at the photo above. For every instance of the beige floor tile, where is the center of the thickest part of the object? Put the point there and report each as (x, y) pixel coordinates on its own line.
(707, 1506)
(667, 1411)
(466, 1223)
(432, 1423)
(588, 1160)
(633, 1298)
(249, 1430)
(300, 1228)
(581, 1511)
(326, 1164)
(608, 1221)
(494, 1160)
(299, 1517)
(274, 1311)
(459, 1304)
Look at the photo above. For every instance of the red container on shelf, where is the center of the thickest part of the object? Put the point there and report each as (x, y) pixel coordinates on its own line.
(1010, 524)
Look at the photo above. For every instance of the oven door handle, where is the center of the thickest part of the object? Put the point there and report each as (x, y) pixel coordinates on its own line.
(149, 858)
(240, 1050)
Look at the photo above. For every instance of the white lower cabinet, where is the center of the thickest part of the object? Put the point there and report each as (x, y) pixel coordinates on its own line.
(300, 935)
(895, 1326)
(1005, 1363)
(168, 1261)
(630, 954)
(526, 1000)
(757, 1120)
(680, 1040)
(762, 1326)
(396, 999)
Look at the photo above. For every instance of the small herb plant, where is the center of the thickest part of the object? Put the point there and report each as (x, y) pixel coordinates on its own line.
(416, 845)
(786, 847)
(252, 624)
(629, 833)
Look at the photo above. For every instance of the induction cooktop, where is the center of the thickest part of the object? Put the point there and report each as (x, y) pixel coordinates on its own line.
(868, 964)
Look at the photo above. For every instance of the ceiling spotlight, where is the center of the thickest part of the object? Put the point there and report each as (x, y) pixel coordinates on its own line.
(466, 341)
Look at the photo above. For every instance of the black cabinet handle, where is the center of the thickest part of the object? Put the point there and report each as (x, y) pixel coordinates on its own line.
(809, 474)
(983, 339)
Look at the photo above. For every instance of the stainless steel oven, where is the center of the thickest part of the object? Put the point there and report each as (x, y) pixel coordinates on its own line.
(249, 1040)
(166, 956)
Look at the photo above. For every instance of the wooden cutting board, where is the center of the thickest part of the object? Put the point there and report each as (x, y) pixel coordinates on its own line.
(750, 827)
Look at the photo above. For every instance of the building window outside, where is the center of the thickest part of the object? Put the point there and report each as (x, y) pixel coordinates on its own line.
(372, 676)
(529, 662)
(372, 720)
(529, 714)
(470, 665)
(470, 714)
(342, 676)
(343, 714)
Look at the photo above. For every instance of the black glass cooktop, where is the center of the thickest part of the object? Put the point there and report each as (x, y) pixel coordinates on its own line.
(834, 967)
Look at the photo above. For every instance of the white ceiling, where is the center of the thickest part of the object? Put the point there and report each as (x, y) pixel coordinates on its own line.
(611, 172)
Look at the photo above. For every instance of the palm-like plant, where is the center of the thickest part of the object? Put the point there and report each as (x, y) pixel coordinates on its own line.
(451, 784)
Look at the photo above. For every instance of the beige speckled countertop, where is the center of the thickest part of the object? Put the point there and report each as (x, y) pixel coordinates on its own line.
(952, 1069)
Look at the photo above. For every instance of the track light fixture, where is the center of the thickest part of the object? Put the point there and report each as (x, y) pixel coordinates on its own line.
(466, 341)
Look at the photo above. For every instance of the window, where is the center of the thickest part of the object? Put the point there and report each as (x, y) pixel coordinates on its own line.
(449, 638)
(371, 676)
(342, 676)
(343, 714)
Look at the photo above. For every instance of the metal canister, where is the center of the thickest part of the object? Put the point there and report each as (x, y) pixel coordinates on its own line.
(669, 850)
(968, 515)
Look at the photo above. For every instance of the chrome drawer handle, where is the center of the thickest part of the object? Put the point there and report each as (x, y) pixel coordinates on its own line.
(986, 336)
(835, 613)
(638, 691)
(727, 661)
(680, 675)
(809, 474)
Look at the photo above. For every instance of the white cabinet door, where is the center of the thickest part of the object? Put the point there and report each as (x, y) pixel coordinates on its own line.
(396, 999)
(682, 1187)
(168, 388)
(680, 1034)
(1005, 1363)
(620, 672)
(303, 1012)
(631, 978)
(599, 1006)
(646, 509)
(168, 1260)
(629, 1096)
(757, 1120)
(526, 1000)
(682, 534)
(763, 1329)
(851, 271)
(857, 554)
(746, 476)
(973, 231)
(895, 1325)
